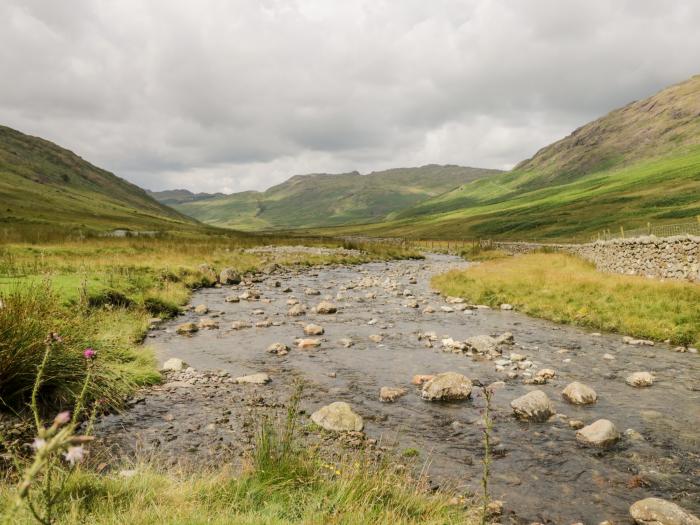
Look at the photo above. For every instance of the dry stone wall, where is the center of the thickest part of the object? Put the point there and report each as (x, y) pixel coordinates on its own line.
(657, 257)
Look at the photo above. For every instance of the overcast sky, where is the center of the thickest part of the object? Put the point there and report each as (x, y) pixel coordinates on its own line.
(230, 95)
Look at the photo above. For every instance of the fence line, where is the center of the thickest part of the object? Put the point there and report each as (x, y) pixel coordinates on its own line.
(658, 230)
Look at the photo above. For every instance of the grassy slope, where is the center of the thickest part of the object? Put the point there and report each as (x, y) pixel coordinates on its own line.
(41, 182)
(659, 190)
(566, 289)
(319, 200)
(638, 164)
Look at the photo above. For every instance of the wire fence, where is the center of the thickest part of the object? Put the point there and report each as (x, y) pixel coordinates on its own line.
(657, 230)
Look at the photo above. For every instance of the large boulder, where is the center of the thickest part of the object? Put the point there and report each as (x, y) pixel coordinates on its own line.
(448, 386)
(229, 276)
(600, 433)
(338, 417)
(533, 406)
(657, 511)
(640, 379)
(579, 394)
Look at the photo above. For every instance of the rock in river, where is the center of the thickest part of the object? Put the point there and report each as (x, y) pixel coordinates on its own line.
(600, 433)
(229, 276)
(579, 394)
(338, 417)
(533, 406)
(657, 511)
(313, 329)
(483, 344)
(207, 324)
(325, 307)
(308, 343)
(255, 379)
(186, 328)
(201, 309)
(448, 386)
(297, 310)
(389, 395)
(174, 364)
(278, 348)
(640, 379)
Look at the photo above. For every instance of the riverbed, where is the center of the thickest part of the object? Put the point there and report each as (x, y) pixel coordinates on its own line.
(539, 470)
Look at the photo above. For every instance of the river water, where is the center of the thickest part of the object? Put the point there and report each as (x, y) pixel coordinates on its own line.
(539, 470)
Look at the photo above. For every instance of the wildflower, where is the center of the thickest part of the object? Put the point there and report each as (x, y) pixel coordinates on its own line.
(38, 444)
(89, 353)
(62, 418)
(74, 455)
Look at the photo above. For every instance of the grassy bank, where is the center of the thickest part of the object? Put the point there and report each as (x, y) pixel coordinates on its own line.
(566, 289)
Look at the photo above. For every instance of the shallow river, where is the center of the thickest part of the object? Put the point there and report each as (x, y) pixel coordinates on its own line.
(539, 470)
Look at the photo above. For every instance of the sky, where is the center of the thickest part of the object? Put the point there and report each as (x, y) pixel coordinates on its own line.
(233, 95)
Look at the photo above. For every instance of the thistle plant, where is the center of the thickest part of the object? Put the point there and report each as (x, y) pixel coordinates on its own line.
(52, 445)
(486, 460)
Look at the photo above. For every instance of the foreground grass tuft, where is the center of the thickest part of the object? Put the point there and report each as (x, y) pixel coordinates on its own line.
(566, 289)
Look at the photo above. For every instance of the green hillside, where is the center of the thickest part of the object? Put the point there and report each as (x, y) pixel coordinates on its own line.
(42, 183)
(638, 164)
(307, 201)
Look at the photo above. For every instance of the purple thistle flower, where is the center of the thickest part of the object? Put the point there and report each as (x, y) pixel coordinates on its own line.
(89, 353)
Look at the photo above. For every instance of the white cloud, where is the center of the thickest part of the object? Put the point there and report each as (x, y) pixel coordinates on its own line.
(241, 94)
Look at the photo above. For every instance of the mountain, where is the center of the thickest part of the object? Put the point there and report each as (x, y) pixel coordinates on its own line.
(636, 165)
(317, 200)
(41, 182)
(171, 197)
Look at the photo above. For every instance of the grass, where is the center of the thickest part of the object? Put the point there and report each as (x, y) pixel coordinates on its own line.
(282, 482)
(566, 289)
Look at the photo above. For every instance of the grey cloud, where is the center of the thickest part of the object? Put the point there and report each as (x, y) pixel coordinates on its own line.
(241, 94)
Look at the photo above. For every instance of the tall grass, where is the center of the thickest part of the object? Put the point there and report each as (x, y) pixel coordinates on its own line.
(566, 289)
(31, 312)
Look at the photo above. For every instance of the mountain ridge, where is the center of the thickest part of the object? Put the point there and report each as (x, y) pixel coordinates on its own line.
(41, 181)
(318, 199)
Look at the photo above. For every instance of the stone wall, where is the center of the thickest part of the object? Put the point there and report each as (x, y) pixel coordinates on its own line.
(658, 257)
